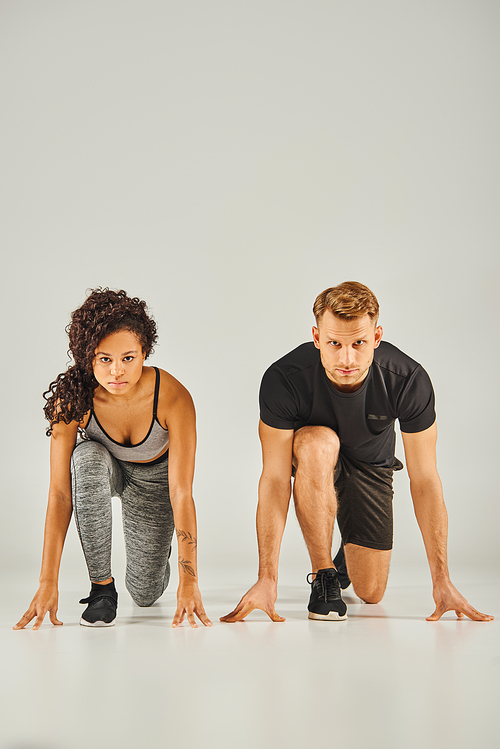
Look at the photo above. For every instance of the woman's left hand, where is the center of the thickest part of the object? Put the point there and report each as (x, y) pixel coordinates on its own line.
(189, 603)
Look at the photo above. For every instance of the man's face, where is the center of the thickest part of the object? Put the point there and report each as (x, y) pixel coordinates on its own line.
(346, 348)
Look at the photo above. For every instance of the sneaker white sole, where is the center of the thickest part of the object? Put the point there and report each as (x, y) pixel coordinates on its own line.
(97, 624)
(333, 616)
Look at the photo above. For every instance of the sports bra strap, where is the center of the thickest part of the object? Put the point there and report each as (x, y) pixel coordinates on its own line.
(157, 391)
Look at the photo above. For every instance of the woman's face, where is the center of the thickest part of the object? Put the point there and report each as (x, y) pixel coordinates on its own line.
(118, 362)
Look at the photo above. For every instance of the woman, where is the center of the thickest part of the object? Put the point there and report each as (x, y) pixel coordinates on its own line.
(139, 439)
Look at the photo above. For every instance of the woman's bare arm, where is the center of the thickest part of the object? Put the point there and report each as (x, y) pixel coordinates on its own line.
(177, 410)
(59, 509)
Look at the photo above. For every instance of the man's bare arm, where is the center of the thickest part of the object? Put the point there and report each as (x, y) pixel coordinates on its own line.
(432, 518)
(274, 499)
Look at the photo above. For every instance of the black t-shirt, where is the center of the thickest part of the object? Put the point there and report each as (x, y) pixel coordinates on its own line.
(295, 392)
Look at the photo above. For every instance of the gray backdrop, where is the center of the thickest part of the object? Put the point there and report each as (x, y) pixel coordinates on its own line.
(226, 161)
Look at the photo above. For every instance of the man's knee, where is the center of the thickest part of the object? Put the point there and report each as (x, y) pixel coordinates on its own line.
(368, 570)
(370, 594)
(315, 443)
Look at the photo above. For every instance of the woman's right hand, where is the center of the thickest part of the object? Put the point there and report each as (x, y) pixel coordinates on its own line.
(46, 599)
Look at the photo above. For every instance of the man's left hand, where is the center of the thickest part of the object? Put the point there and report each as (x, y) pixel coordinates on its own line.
(447, 598)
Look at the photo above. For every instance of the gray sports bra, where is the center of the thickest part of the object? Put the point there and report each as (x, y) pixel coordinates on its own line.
(152, 444)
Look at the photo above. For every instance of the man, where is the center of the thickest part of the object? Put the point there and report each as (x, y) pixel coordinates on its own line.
(327, 419)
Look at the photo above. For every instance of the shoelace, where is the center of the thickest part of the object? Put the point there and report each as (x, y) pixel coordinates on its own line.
(329, 588)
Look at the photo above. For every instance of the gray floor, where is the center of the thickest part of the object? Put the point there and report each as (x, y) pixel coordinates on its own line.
(385, 677)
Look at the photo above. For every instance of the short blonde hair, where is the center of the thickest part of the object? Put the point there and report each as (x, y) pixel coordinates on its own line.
(348, 300)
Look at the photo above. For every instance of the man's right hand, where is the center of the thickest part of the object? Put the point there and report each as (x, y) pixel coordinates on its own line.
(261, 596)
(45, 600)
(274, 498)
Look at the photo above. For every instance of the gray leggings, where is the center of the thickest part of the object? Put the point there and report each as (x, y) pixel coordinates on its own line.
(148, 521)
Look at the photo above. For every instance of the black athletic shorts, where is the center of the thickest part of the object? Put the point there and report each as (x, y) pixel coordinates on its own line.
(364, 496)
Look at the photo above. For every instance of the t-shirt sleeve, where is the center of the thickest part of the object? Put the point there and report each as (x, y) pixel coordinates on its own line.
(416, 410)
(278, 404)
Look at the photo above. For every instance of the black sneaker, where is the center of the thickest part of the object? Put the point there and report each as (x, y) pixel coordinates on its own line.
(102, 604)
(325, 601)
(341, 568)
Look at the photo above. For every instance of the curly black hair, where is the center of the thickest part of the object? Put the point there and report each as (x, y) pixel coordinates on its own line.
(70, 395)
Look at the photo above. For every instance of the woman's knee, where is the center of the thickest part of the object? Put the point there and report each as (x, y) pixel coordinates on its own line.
(143, 597)
(144, 594)
(89, 453)
(317, 443)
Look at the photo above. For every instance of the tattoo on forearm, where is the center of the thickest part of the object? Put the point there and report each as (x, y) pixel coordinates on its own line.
(186, 566)
(183, 536)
